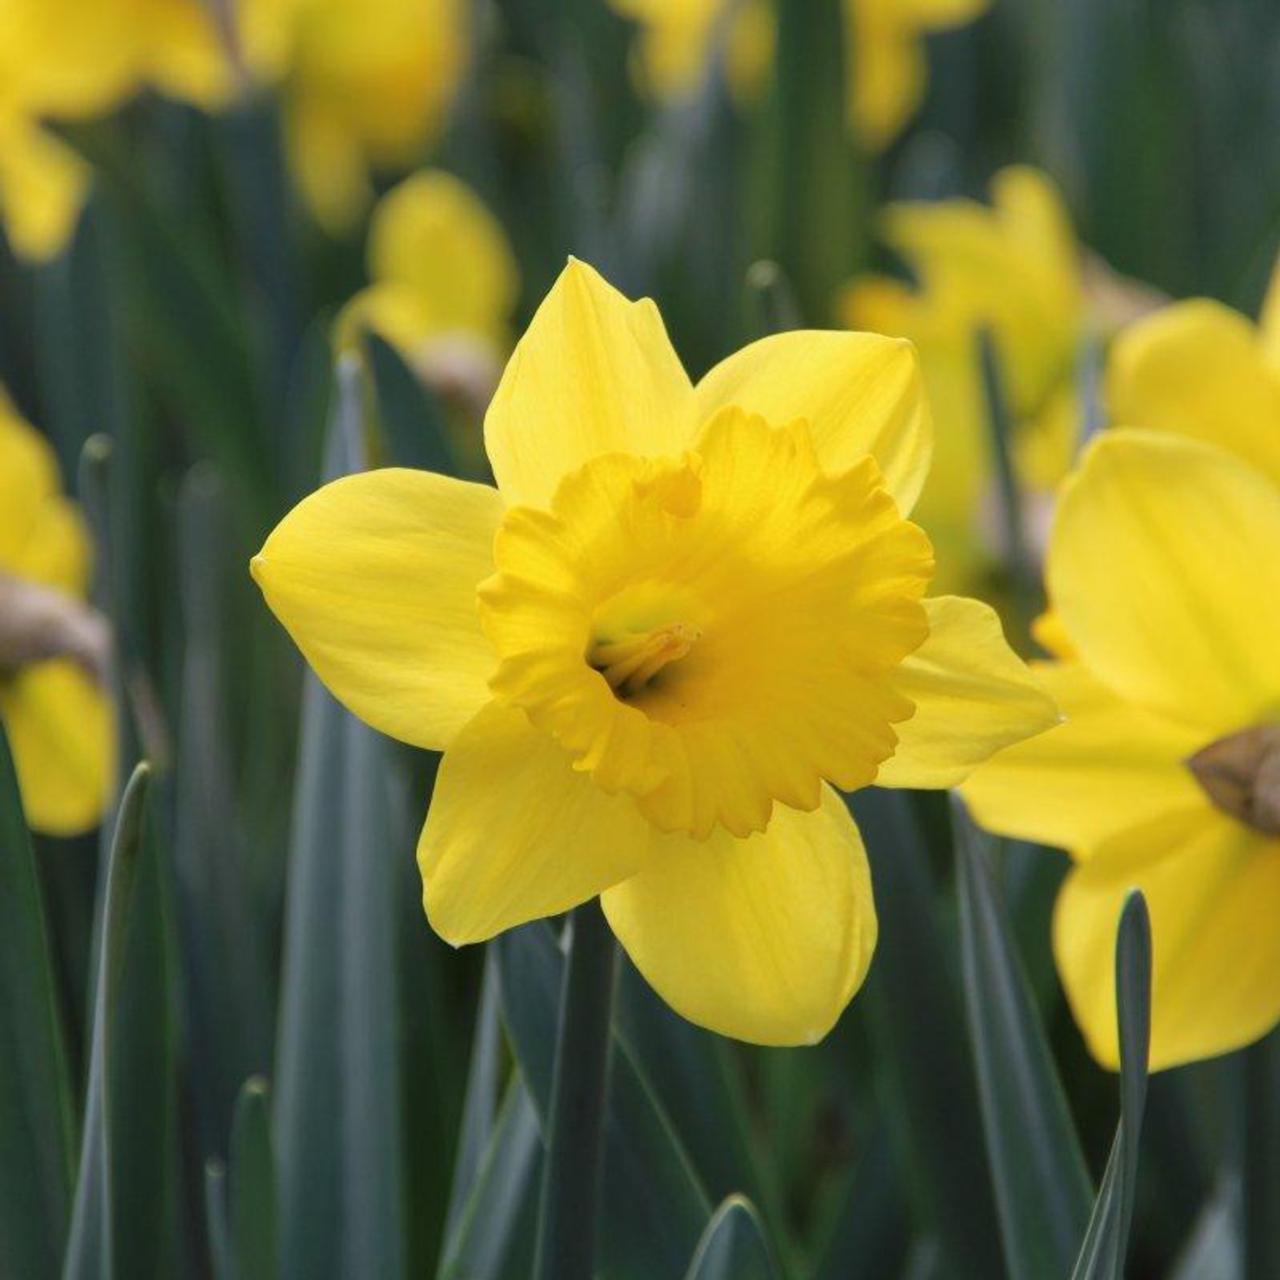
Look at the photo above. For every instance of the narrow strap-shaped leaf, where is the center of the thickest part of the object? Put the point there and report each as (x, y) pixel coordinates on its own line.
(221, 1253)
(90, 1247)
(697, 1078)
(734, 1246)
(921, 1043)
(1041, 1184)
(479, 1110)
(1262, 1159)
(496, 1226)
(253, 1184)
(338, 1121)
(570, 1206)
(655, 1207)
(1106, 1239)
(36, 1118)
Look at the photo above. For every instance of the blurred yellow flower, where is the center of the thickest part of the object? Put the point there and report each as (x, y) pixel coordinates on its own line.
(885, 62)
(1013, 270)
(67, 60)
(444, 284)
(1163, 572)
(682, 612)
(676, 38)
(56, 717)
(367, 86)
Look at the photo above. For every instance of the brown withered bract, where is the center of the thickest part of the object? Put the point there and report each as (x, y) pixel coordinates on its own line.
(1241, 775)
(38, 623)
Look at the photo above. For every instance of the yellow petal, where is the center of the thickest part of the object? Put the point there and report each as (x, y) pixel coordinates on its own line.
(764, 939)
(1109, 766)
(62, 735)
(43, 184)
(374, 577)
(1163, 567)
(1213, 890)
(1269, 320)
(514, 833)
(889, 72)
(328, 165)
(860, 393)
(435, 236)
(972, 694)
(58, 551)
(594, 373)
(1049, 633)
(28, 479)
(1198, 368)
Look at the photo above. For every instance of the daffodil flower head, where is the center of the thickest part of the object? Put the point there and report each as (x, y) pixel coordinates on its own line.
(684, 612)
(1012, 270)
(1165, 775)
(444, 282)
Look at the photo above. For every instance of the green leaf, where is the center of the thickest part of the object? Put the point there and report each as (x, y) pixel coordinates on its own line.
(253, 1184)
(697, 1079)
(494, 1235)
(221, 1255)
(921, 1044)
(227, 983)
(479, 1110)
(654, 1207)
(1106, 1240)
(1041, 1183)
(184, 314)
(868, 1235)
(90, 1252)
(339, 1130)
(1262, 1159)
(569, 1209)
(734, 1246)
(36, 1117)
(413, 425)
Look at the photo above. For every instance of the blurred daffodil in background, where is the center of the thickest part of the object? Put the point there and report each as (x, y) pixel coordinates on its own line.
(444, 284)
(52, 648)
(65, 61)
(684, 612)
(1163, 574)
(364, 86)
(1014, 271)
(886, 68)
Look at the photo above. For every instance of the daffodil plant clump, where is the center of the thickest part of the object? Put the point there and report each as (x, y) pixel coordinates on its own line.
(639, 640)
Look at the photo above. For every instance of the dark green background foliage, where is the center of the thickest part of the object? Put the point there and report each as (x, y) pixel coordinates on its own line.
(229, 1044)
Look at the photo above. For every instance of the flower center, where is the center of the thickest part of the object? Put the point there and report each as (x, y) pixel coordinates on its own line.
(715, 632)
(631, 661)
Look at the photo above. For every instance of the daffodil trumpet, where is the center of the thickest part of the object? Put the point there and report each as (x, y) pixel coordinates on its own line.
(681, 619)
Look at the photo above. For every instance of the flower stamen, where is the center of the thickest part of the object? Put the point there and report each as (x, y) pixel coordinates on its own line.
(628, 664)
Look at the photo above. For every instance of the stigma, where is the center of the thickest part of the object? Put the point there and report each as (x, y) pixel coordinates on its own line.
(628, 664)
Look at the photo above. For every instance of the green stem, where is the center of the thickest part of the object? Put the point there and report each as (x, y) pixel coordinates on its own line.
(1262, 1159)
(569, 1212)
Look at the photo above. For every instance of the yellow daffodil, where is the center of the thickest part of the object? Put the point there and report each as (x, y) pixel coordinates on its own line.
(444, 285)
(54, 713)
(676, 38)
(886, 68)
(1166, 774)
(886, 62)
(367, 86)
(66, 60)
(1013, 270)
(682, 613)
